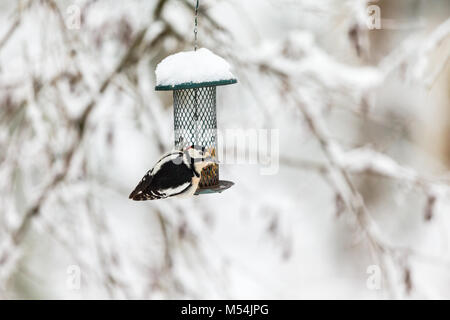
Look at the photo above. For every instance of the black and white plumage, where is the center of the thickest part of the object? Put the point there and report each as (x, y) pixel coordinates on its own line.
(175, 174)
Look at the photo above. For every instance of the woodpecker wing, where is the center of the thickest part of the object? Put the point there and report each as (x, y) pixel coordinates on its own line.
(169, 177)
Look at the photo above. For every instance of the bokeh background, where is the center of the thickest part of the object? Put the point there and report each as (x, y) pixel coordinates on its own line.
(359, 207)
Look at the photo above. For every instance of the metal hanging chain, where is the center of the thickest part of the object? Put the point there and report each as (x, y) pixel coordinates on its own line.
(196, 25)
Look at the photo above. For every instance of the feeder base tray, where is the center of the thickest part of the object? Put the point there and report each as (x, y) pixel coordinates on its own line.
(222, 186)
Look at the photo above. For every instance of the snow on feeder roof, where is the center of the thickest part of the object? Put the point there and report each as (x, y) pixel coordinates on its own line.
(193, 69)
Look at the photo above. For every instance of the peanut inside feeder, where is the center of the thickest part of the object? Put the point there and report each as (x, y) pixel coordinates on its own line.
(210, 174)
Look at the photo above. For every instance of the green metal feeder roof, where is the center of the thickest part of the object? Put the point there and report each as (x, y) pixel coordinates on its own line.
(192, 85)
(193, 69)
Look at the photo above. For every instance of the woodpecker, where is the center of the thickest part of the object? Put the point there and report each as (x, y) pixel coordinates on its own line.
(177, 173)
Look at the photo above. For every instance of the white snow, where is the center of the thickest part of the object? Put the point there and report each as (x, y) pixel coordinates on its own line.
(366, 159)
(192, 66)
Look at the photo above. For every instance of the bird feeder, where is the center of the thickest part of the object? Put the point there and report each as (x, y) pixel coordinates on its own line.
(193, 77)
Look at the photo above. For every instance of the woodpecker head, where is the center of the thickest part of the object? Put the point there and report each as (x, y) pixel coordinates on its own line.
(199, 157)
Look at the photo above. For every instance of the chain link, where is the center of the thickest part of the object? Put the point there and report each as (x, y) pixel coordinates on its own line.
(196, 25)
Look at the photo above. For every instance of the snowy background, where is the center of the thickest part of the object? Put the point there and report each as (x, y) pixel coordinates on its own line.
(359, 207)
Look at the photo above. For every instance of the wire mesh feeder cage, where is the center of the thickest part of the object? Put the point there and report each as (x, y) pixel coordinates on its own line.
(194, 105)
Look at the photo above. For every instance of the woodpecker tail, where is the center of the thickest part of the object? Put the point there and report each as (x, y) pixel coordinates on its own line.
(140, 192)
(140, 197)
